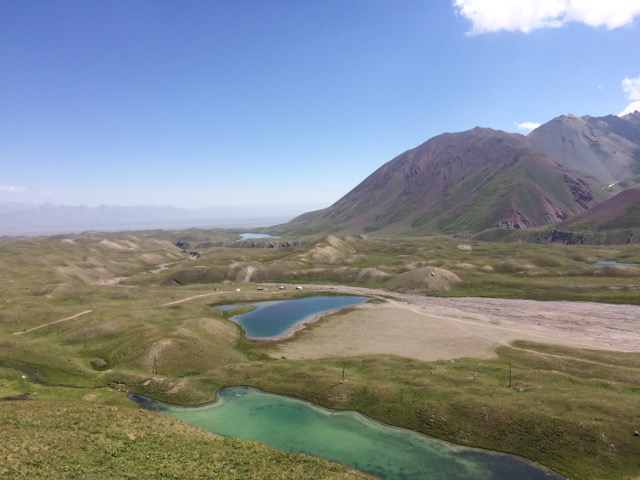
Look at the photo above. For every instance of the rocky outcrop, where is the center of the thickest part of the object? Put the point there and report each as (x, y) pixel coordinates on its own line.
(580, 191)
(514, 220)
(557, 236)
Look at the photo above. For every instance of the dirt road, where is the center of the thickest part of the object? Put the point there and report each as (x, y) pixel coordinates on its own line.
(432, 328)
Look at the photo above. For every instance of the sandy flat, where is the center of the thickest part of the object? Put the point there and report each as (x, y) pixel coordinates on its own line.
(431, 328)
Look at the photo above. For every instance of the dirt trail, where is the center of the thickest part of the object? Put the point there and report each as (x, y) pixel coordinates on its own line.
(190, 298)
(433, 328)
(54, 322)
(567, 357)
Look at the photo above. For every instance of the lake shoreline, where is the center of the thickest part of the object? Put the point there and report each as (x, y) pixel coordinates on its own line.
(289, 323)
(454, 447)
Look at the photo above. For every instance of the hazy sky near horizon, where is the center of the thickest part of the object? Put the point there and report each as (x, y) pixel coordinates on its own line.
(285, 102)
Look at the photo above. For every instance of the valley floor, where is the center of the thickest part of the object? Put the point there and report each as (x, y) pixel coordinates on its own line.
(436, 328)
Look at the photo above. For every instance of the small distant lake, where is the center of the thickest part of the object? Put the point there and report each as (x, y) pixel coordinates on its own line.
(611, 263)
(346, 437)
(271, 320)
(254, 236)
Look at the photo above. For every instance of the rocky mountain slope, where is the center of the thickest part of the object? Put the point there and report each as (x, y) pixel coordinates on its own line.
(458, 182)
(606, 149)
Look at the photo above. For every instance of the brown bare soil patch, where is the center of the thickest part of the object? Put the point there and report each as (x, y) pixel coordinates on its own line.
(15, 398)
(430, 328)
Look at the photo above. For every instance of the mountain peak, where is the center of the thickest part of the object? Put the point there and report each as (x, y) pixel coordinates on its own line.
(603, 148)
(457, 182)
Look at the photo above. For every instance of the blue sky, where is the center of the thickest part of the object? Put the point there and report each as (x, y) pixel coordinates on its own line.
(282, 103)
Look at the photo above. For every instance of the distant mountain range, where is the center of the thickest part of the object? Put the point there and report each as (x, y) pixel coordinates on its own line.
(484, 179)
(561, 177)
(46, 219)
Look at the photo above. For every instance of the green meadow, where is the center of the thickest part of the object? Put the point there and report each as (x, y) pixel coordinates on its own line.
(73, 340)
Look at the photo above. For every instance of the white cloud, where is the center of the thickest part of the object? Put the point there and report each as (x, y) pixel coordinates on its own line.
(11, 189)
(527, 126)
(631, 87)
(632, 107)
(603, 13)
(528, 15)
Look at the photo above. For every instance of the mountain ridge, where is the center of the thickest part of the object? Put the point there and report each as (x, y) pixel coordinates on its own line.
(483, 179)
(457, 182)
(48, 218)
(605, 148)
(463, 182)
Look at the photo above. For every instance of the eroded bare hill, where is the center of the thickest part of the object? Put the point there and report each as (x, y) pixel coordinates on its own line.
(457, 182)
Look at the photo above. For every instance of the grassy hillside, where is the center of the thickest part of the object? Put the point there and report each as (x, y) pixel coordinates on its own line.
(512, 270)
(99, 434)
(64, 322)
(614, 221)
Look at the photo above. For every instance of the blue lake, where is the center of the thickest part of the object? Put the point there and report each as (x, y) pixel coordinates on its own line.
(346, 437)
(271, 320)
(255, 236)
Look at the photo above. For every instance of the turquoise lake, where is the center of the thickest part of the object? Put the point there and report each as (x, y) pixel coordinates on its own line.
(271, 320)
(346, 437)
